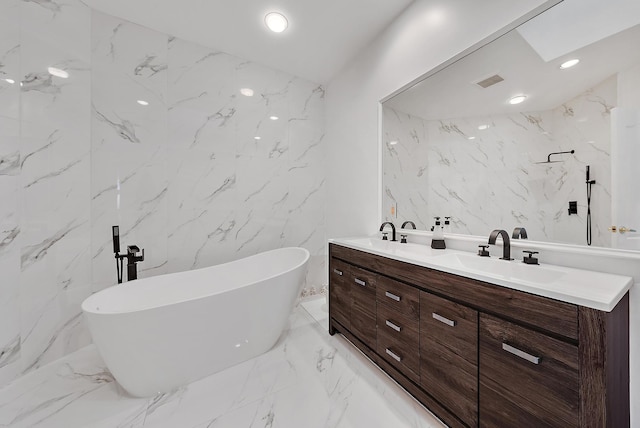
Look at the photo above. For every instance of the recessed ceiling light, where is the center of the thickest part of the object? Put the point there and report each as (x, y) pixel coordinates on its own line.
(569, 64)
(58, 72)
(247, 92)
(256, 138)
(517, 99)
(276, 22)
(274, 117)
(10, 81)
(471, 138)
(143, 102)
(393, 143)
(483, 127)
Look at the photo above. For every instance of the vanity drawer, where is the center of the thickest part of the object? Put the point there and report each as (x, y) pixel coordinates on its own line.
(339, 292)
(403, 329)
(403, 357)
(363, 305)
(526, 377)
(449, 355)
(401, 298)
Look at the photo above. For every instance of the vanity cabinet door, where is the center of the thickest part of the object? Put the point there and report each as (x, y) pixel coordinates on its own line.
(340, 292)
(363, 305)
(449, 355)
(527, 379)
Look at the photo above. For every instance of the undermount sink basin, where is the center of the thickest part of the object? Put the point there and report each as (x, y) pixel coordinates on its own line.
(514, 270)
(407, 250)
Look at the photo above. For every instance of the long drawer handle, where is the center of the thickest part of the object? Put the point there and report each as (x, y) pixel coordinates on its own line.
(360, 282)
(520, 353)
(393, 326)
(447, 321)
(392, 296)
(339, 272)
(393, 355)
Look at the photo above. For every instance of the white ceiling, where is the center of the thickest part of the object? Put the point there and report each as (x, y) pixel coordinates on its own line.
(322, 35)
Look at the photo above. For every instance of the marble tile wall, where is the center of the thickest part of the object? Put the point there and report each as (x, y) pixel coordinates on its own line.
(489, 178)
(184, 176)
(9, 187)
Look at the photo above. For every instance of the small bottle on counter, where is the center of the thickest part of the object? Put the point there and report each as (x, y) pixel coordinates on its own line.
(437, 242)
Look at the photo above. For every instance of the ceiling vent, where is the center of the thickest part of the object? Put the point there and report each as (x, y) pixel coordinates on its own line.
(490, 81)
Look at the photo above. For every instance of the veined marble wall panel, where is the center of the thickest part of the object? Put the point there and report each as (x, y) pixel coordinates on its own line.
(9, 185)
(54, 179)
(306, 174)
(232, 194)
(128, 145)
(490, 178)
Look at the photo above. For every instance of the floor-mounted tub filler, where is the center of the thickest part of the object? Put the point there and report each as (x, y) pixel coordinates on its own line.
(159, 333)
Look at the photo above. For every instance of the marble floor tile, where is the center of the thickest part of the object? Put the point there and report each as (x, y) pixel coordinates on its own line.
(309, 379)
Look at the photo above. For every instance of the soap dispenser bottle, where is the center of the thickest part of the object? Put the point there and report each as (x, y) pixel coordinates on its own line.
(437, 242)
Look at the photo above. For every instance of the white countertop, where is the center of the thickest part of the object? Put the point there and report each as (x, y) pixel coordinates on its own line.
(592, 289)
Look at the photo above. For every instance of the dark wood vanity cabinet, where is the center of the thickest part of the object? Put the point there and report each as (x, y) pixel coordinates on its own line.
(481, 355)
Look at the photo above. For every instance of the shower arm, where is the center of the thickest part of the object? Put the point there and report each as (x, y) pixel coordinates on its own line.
(559, 153)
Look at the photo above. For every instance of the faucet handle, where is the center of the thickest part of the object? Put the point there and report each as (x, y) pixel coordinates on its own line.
(403, 239)
(530, 260)
(483, 252)
(384, 236)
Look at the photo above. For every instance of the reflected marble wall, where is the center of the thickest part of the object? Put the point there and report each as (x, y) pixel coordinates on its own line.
(482, 171)
(184, 176)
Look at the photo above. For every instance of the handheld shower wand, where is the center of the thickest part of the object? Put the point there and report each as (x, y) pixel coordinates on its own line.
(115, 235)
(589, 184)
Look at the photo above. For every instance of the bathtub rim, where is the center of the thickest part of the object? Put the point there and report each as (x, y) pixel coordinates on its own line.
(104, 293)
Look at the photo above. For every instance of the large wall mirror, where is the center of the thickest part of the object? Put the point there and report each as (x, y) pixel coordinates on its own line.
(503, 137)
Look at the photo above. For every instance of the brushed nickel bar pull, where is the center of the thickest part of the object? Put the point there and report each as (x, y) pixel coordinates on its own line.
(339, 272)
(519, 353)
(443, 320)
(360, 282)
(393, 326)
(392, 296)
(393, 355)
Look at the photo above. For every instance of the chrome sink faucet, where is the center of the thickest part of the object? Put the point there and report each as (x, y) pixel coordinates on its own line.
(393, 230)
(506, 244)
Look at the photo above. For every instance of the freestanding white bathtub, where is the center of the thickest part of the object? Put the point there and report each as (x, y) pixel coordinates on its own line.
(158, 333)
